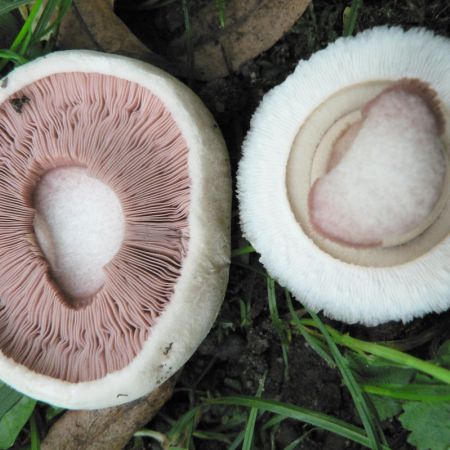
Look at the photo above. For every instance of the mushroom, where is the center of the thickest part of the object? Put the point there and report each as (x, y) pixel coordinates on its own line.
(344, 180)
(115, 200)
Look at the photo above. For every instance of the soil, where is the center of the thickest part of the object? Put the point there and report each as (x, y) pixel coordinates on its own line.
(235, 356)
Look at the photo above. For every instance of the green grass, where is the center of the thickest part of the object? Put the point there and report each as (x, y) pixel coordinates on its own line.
(350, 17)
(34, 434)
(242, 251)
(8, 6)
(221, 4)
(284, 410)
(365, 408)
(387, 353)
(328, 342)
(36, 36)
(278, 325)
(251, 422)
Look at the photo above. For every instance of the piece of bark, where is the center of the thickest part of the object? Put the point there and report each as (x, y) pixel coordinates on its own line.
(251, 27)
(92, 24)
(109, 428)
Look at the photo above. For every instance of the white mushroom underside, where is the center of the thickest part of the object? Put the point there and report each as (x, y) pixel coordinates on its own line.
(345, 291)
(80, 226)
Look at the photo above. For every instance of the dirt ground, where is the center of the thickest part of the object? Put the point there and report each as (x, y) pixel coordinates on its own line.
(236, 355)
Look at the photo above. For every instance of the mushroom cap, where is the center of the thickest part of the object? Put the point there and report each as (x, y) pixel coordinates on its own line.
(397, 282)
(200, 286)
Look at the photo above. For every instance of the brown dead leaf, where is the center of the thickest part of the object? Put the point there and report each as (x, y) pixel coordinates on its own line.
(92, 24)
(251, 27)
(109, 428)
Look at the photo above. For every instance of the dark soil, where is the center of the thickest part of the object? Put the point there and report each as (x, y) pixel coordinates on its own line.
(235, 356)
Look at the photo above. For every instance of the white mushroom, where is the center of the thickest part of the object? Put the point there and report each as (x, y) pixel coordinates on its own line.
(115, 199)
(344, 180)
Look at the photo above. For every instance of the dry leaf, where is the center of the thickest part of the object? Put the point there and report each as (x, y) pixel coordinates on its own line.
(251, 27)
(92, 24)
(109, 428)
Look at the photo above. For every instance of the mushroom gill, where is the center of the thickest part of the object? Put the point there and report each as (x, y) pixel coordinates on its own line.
(79, 296)
(79, 226)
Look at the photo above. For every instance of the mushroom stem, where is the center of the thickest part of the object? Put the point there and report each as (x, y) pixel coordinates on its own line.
(386, 171)
(79, 225)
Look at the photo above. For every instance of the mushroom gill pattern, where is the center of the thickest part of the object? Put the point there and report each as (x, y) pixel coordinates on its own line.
(123, 135)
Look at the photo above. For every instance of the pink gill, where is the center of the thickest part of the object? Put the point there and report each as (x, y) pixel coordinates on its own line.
(123, 135)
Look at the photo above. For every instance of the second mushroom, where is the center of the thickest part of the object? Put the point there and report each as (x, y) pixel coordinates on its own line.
(344, 180)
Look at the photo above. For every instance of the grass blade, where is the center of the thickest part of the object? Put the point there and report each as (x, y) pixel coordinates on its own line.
(259, 272)
(34, 434)
(273, 422)
(47, 13)
(237, 441)
(26, 29)
(314, 418)
(350, 17)
(387, 353)
(62, 11)
(316, 344)
(9, 397)
(220, 5)
(295, 444)
(12, 56)
(181, 431)
(14, 420)
(38, 25)
(8, 6)
(212, 436)
(362, 403)
(242, 251)
(250, 427)
(161, 438)
(278, 324)
(413, 392)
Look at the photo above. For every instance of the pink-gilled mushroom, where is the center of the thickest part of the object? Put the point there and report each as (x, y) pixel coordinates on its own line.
(344, 182)
(115, 201)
